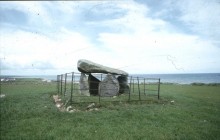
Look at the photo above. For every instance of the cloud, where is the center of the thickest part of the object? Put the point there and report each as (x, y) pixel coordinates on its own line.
(132, 36)
(198, 17)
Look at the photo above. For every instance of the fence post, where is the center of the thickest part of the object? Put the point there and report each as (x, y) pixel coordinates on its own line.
(133, 85)
(130, 89)
(100, 91)
(144, 87)
(71, 88)
(139, 89)
(65, 84)
(58, 90)
(61, 84)
(159, 89)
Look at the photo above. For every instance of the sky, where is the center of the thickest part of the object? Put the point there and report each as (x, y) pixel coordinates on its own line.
(137, 36)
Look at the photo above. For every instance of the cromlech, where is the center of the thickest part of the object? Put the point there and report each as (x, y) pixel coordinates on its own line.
(114, 83)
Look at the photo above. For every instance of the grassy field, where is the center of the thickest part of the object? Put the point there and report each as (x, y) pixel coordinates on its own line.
(28, 112)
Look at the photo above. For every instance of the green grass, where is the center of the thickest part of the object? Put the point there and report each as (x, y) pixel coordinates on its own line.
(28, 112)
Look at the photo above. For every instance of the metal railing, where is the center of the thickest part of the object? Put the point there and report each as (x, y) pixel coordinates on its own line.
(137, 89)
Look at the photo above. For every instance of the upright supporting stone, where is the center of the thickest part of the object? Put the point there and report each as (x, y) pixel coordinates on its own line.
(109, 86)
(84, 86)
(93, 85)
(123, 83)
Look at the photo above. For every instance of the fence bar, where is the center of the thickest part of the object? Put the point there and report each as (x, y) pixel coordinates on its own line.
(139, 89)
(133, 85)
(74, 82)
(130, 89)
(144, 87)
(71, 96)
(58, 90)
(65, 85)
(100, 90)
(67, 82)
(159, 89)
(61, 84)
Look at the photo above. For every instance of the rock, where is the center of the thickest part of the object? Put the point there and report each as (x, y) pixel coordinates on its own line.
(93, 85)
(84, 86)
(2, 96)
(74, 110)
(109, 86)
(91, 105)
(69, 108)
(93, 109)
(123, 83)
(87, 66)
(56, 99)
(96, 109)
(59, 105)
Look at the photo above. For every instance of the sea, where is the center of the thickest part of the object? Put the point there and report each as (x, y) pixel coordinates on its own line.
(205, 78)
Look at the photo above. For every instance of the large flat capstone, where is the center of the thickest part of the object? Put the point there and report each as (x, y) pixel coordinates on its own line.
(87, 66)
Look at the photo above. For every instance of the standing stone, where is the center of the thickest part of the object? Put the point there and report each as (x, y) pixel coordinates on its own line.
(109, 86)
(84, 86)
(123, 83)
(93, 85)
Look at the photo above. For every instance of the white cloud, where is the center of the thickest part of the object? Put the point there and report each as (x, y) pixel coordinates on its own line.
(202, 17)
(131, 40)
(25, 48)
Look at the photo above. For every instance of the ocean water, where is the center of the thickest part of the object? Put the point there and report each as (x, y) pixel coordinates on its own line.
(185, 78)
(165, 78)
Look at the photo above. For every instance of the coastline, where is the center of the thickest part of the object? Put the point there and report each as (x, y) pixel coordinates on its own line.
(175, 79)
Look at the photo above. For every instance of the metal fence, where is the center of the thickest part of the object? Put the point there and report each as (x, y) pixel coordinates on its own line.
(69, 86)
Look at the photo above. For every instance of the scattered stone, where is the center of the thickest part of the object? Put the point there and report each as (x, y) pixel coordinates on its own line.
(91, 105)
(2, 96)
(69, 108)
(109, 86)
(56, 98)
(93, 85)
(84, 86)
(96, 109)
(93, 109)
(58, 101)
(74, 110)
(87, 66)
(71, 111)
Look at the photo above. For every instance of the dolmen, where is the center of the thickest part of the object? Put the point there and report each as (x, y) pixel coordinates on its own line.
(113, 83)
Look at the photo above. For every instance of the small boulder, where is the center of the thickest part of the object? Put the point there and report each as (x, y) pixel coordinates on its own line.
(90, 106)
(2, 95)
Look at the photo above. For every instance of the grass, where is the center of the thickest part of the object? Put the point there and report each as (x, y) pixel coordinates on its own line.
(28, 112)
